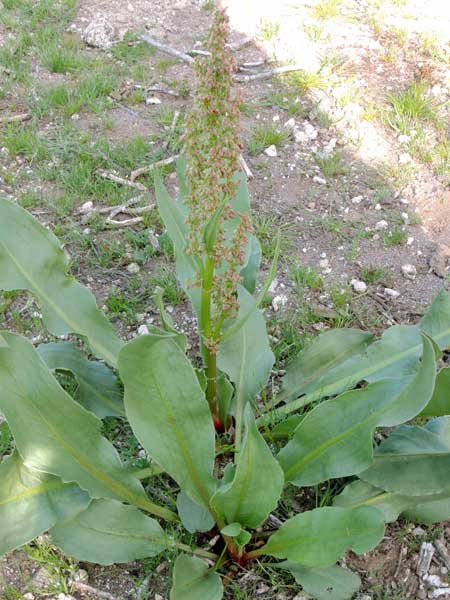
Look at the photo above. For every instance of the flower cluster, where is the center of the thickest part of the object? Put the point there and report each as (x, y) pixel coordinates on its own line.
(212, 150)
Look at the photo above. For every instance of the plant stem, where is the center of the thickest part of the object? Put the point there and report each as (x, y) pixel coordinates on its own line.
(255, 553)
(196, 551)
(207, 331)
(148, 472)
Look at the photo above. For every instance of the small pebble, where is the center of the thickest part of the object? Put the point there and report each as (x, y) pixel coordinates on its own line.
(153, 100)
(409, 271)
(279, 301)
(271, 151)
(359, 286)
(381, 225)
(133, 268)
(143, 330)
(320, 180)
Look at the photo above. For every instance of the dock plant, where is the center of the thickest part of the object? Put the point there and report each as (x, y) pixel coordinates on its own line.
(227, 443)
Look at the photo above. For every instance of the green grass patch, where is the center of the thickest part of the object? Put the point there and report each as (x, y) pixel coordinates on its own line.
(332, 165)
(264, 136)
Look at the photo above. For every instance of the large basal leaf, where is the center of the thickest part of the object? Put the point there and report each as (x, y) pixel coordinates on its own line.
(98, 388)
(335, 438)
(439, 405)
(429, 513)
(424, 509)
(32, 502)
(391, 356)
(193, 580)
(110, 532)
(323, 361)
(414, 460)
(31, 258)
(246, 356)
(257, 483)
(436, 321)
(55, 434)
(193, 516)
(324, 583)
(320, 537)
(168, 412)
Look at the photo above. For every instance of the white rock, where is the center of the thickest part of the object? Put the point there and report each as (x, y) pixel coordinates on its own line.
(75, 117)
(404, 139)
(404, 158)
(378, 206)
(99, 33)
(275, 118)
(86, 231)
(86, 207)
(433, 580)
(310, 131)
(381, 225)
(357, 199)
(271, 151)
(320, 180)
(273, 286)
(391, 293)
(152, 100)
(300, 136)
(279, 301)
(290, 124)
(418, 531)
(133, 268)
(443, 592)
(409, 271)
(410, 240)
(28, 596)
(359, 286)
(424, 560)
(143, 330)
(323, 263)
(405, 217)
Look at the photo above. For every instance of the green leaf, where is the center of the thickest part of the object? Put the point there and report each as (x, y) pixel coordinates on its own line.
(31, 258)
(286, 428)
(436, 321)
(32, 502)
(168, 412)
(439, 405)
(323, 360)
(325, 583)
(98, 388)
(425, 509)
(174, 222)
(335, 438)
(56, 435)
(193, 580)
(232, 530)
(193, 516)
(392, 356)
(166, 320)
(225, 392)
(429, 512)
(246, 356)
(413, 460)
(320, 537)
(250, 272)
(257, 483)
(110, 532)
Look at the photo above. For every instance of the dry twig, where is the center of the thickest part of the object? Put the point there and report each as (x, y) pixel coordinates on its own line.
(85, 588)
(268, 74)
(160, 163)
(106, 175)
(245, 166)
(16, 118)
(167, 49)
